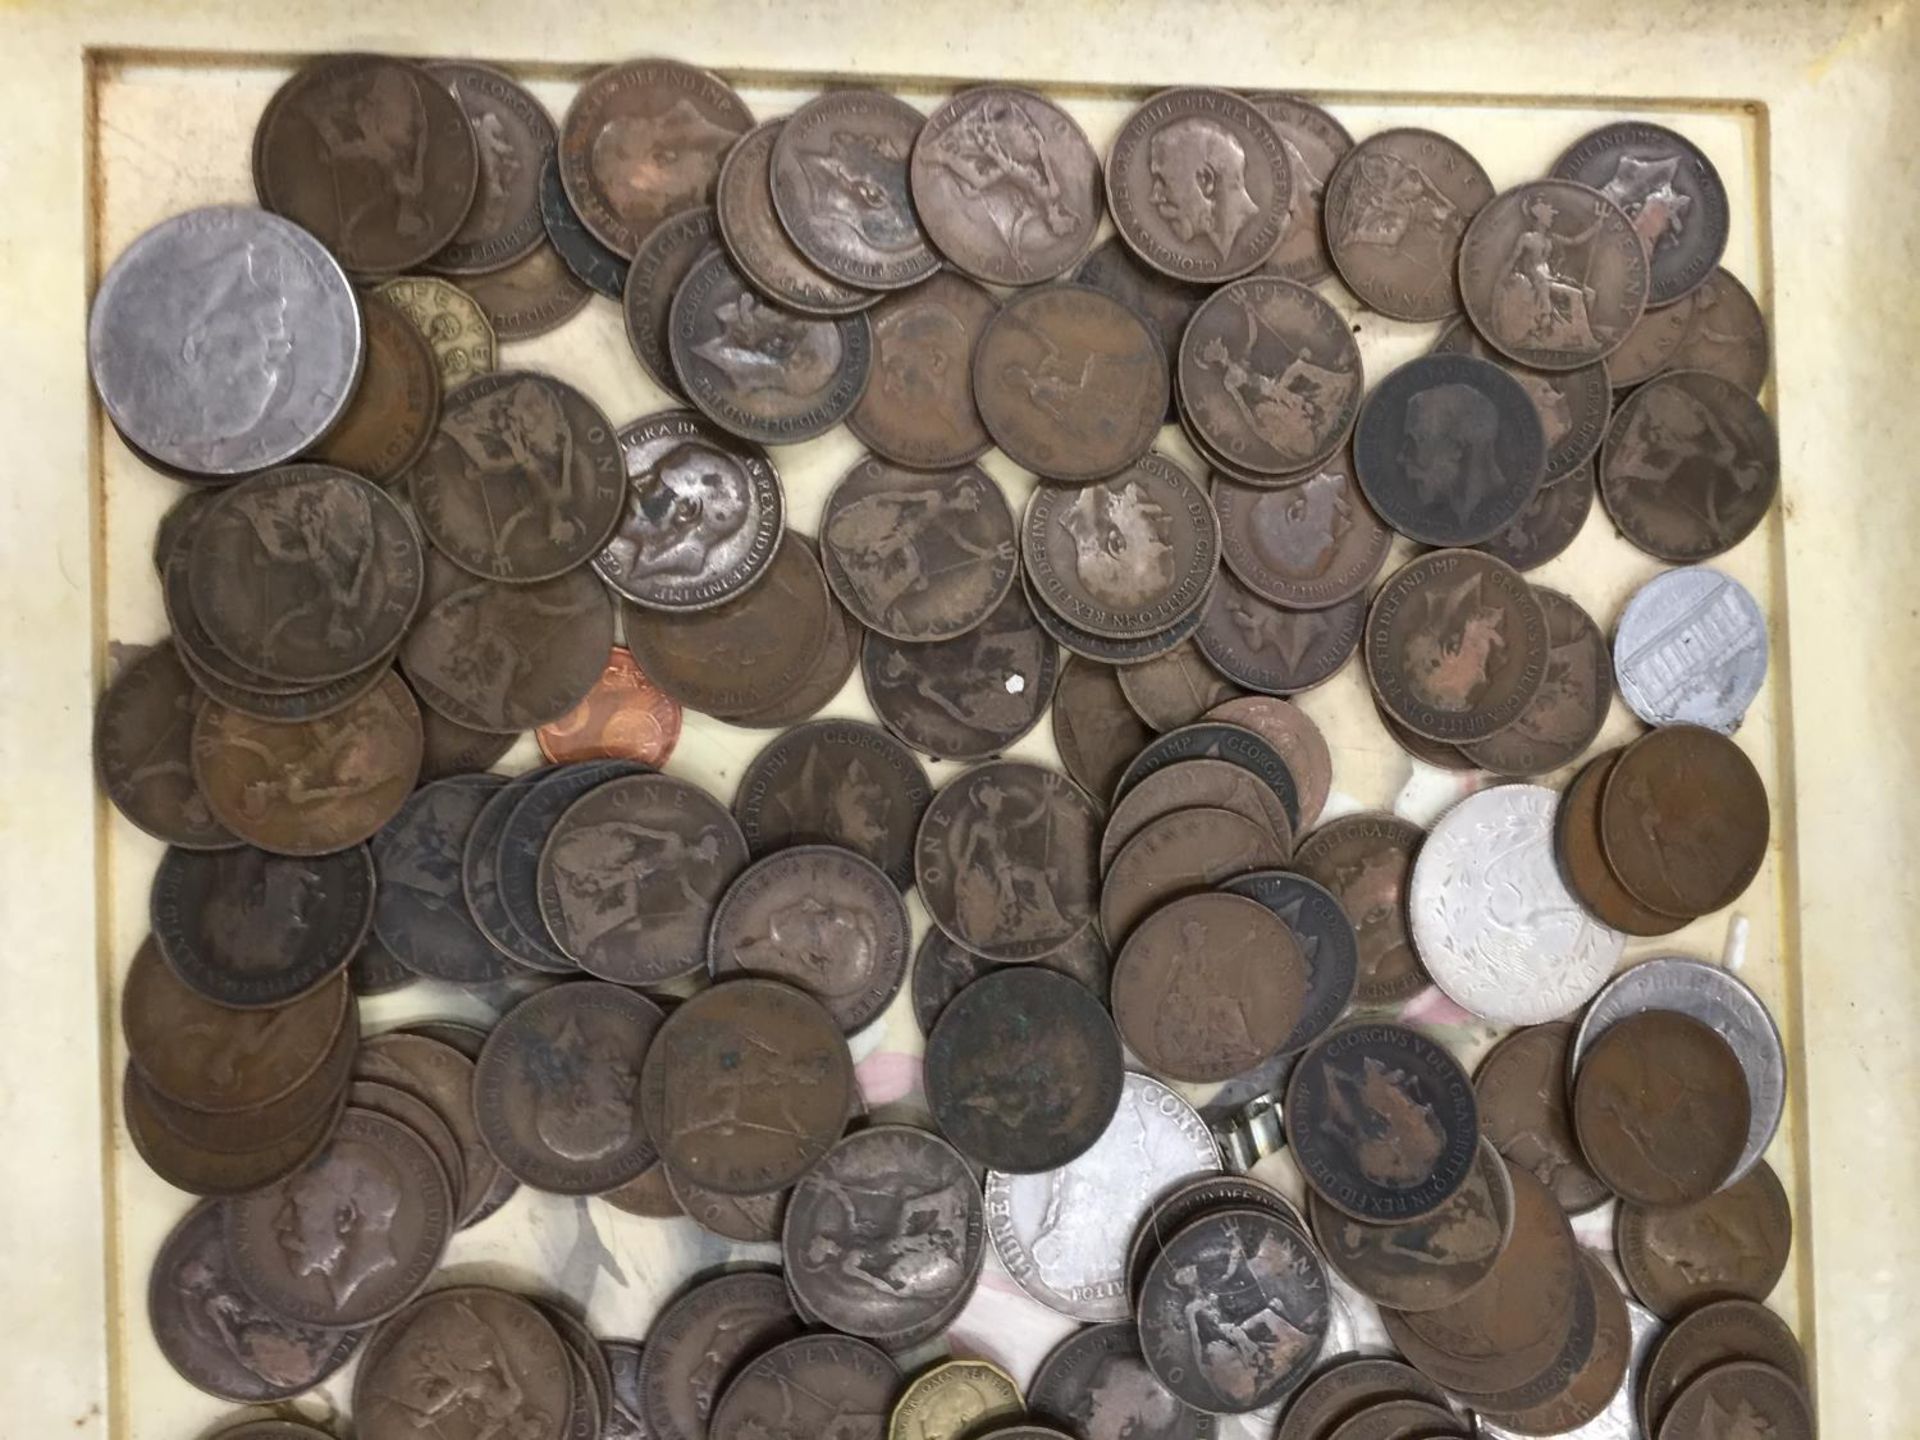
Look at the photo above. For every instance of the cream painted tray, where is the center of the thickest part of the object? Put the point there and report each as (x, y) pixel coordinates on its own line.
(134, 114)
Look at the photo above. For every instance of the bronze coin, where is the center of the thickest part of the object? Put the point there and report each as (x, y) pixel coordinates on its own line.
(1669, 189)
(1307, 547)
(455, 327)
(514, 138)
(648, 1195)
(1690, 467)
(1270, 376)
(1171, 1214)
(643, 141)
(1400, 1420)
(199, 1170)
(1397, 207)
(1175, 689)
(184, 515)
(624, 717)
(827, 677)
(942, 969)
(1194, 785)
(1199, 184)
(282, 706)
(212, 669)
(1178, 854)
(1292, 733)
(1684, 820)
(592, 1379)
(1315, 143)
(1742, 1394)
(451, 748)
(1095, 1382)
(918, 409)
(1366, 860)
(525, 1356)
(1553, 274)
(1006, 860)
(746, 1086)
(1094, 728)
(442, 1077)
(371, 154)
(1428, 752)
(1023, 1070)
(700, 1340)
(1734, 1243)
(1591, 1388)
(396, 406)
(703, 517)
(1571, 705)
(601, 270)
(750, 1219)
(1354, 1384)
(1208, 986)
(523, 480)
(1574, 404)
(1521, 1087)
(811, 1384)
(1660, 1107)
(1550, 1384)
(1104, 651)
(1715, 1334)
(646, 302)
(555, 1092)
(839, 176)
(1163, 302)
(1006, 185)
(1456, 646)
(747, 653)
(480, 860)
(421, 1118)
(420, 912)
(1726, 334)
(142, 751)
(1272, 650)
(1650, 347)
(751, 230)
(1071, 384)
(1583, 862)
(1550, 523)
(535, 294)
(623, 1359)
(1211, 740)
(918, 556)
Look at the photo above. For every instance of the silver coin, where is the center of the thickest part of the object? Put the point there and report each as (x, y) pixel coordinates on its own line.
(1691, 649)
(1620, 1420)
(195, 332)
(1063, 1234)
(1492, 920)
(1715, 998)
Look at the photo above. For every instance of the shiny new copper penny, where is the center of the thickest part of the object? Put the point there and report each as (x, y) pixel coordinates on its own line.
(698, 1343)
(397, 404)
(1734, 1242)
(646, 301)
(840, 185)
(759, 244)
(1070, 383)
(1192, 785)
(1574, 404)
(514, 138)
(1525, 1109)
(142, 751)
(1726, 334)
(1396, 210)
(1176, 687)
(533, 295)
(1660, 1107)
(1308, 546)
(1571, 704)
(1743, 1393)
(1315, 143)
(1716, 1334)
(1094, 728)
(625, 716)
(1365, 860)
(1179, 854)
(643, 141)
(1684, 820)
(373, 155)
(1291, 732)
(1583, 862)
(918, 409)
(1273, 650)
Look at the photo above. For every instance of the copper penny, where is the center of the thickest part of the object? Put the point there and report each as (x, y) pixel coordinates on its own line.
(199, 1170)
(1272, 650)
(1583, 861)
(648, 1194)
(751, 230)
(1715, 1334)
(817, 1384)
(1176, 688)
(143, 751)
(750, 1219)
(1684, 820)
(1094, 728)
(514, 138)
(828, 676)
(1366, 860)
(840, 185)
(1194, 785)
(1745, 1394)
(1574, 404)
(396, 406)
(1350, 1386)
(421, 1118)
(1570, 706)
(1400, 1420)
(918, 409)
(700, 1340)
(1397, 208)
(1178, 854)
(420, 914)
(1307, 547)
(646, 301)
(1733, 1243)
(968, 697)
(1095, 1382)
(1668, 188)
(1291, 732)
(526, 1357)
(1587, 1372)
(1428, 752)
(1650, 347)
(1166, 304)
(1525, 1111)
(442, 1077)
(1102, 650)
(1726, 334)
(1315, 143)
(535, 294)
(942, 969)
(624, 717)
(1551, 522)
(454, 749)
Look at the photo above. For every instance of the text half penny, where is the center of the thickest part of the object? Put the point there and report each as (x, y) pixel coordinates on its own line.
(535, 294)
(396, 406)
(142, 751)
(1273, 650)
(420, 913)
(1315, 143)
(1525, 1110)
(625, 716)
(1308, 546)
(751, 230)
(1668, 188)
(514, 138)
(840, 184)
(1684, 820)
(1096, 731)
(1366, 861)
(646, 303)
(1396, 210)
(1735, 1242)
(1574, 404)
(1179, 854)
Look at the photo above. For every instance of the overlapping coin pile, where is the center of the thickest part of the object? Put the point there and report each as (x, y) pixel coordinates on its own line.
(413, 556)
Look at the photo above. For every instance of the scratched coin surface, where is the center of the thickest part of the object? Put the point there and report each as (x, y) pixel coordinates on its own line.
(751, 230)
(525, 1356)
(1308, 546)
(918, 409)
(1735, 1242)
(840, 185)
(1273, 650)
(1366, 861)
(1690, 648)
(1521, 1087)
(942, 969)
(646, 302)
(514, 138)
(1095, 1382)
(1668, 188)
(821, 1384)
(1571, 705)
(1396, 210)
(1182, 853)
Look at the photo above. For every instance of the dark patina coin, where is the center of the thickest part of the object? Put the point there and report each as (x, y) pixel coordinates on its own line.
(1292, 732)
(1521, 1088)
(942, 969)
(1726, 334)
(1007, 185)
(1199, 184)
(396, 405)
(524, 1355)
(811, 1385)
(746, 1086)
(918, 556)
(1270, 376)
(1214, 740)
(839, 176)
(556, 1090)
(1005, 860)
(887, 1235)
(1233, 1311)
(1553, 1371)
(1125, 654)
(1583, 862)
(1186, 1203)
(1668, 188)
(643, 141)
(1182, 853)
(1715, 1334)
(600, 269)
(1023, 1070)
(1194, 785)
(623, 1361)
(918, 409)
(1587, 1387)
(1315, 142)
(835, 782)
(1650, 347)
(374, 971)
(1396, 209)
(142, 751)
(968, 697)
(760, 245)
(1574, 406)
(1307, 547)
(698, 1343)
(1325, 936)
(1570, 706)
(371, 154)
(592, 1379)
(1735, 1242)
(1095, 1382)
(199, 1169)
(1272, 650)
(441, 1076)
(1684, 820)
(480, 876)
(1163, 302)
(1744, 1393)
(450, 748)
(828, 675)
(1354, 1384)
(421, 914)
(1365, 861)
(515, 139)
(1178, 686)
(1691, 466)
(1070, 382)
(533, 295)
(1382, 1122)
(1449, 449)
(750, 1219)
(421, 1118)
(1549, 524)
(249, 929)
(1096, 732)
(663, 260)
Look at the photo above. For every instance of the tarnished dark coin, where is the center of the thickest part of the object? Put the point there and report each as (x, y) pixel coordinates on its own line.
(1726, 334)
(442, 1076)
(249, 929)
(1123, 654)
(1733, 1243)
(1691, 466)
(142, 751)
(374, 971)
(1270, 376)
(1175, 688)
(1551, 1372)
(825, 679)
(1094, 728)
(421, 1118)
(1326, 939)
(1668, 188)
(455, 327)
(1521, 1088)
(1006, 860)
(1070, 382)
(1590, 1387)
(1336, 1395)
(942, 969)
(555, 1092)
(1307, 547)
(396, 405)
(1401, 1419)
(1382, 1122)
(631, 875)
(624, 1359)
(625, 716)
(1266, 648)
(918, 409)
(600, 269)
(1179, 1207)
(1095, 1383)
(1165, 303)
(1179, 854)
(180, 520)
(918, 556)
(1553, 274)
(662, 262)
(810, 1385)
(295, 1253)
(760, 246)
(1213, 740)
(1573, 404)
(886, 1235)
(1549, 524)
(480, 877)
(1396, 208)
(592, 1379)
(523, 480)
(415, 1365)
(955, 1398)
(515, 139)
(746, 1086)
(535, 294)
(1583, 862)
(1570, 706)
(421, 913)
(1315, 143)
(217, 1336)
(1715, 1334)
(198, 1169)
(520, 845)
(1742, 1394)
(371, 154)
(698, 1343)
(1660, 1106)
(1449, 449)
(1006, 185)
(968, 697)
(643, 141)
(1194, 785)
(1291, 732)
(1199, 184)
(1684, 820)
(1023, 1070)
(839, 176)
(1365, 862)
(1250, 1279)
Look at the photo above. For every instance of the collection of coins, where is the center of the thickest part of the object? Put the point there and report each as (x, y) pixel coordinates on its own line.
(397, 557)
